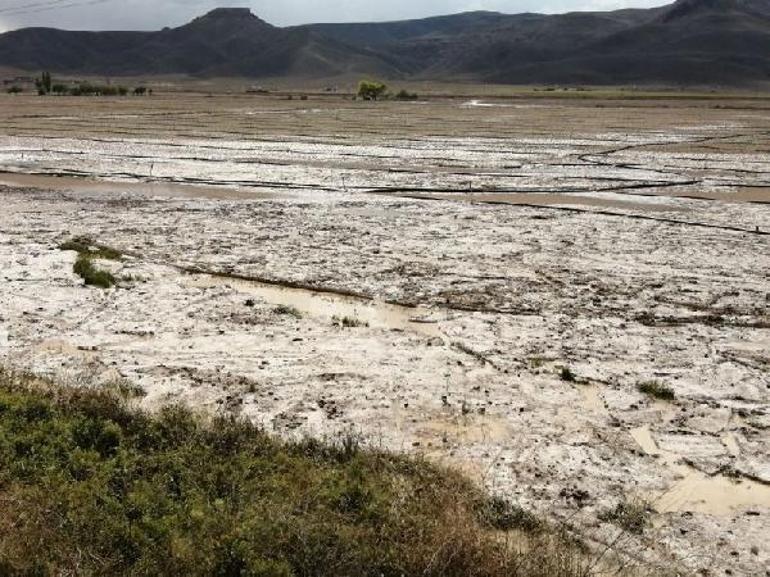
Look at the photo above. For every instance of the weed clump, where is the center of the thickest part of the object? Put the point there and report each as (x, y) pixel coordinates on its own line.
(567, 375)
(503, 515)
(84, 267)
(634, 517)
(405, 95)
(92, 276)
(89, 486)
(347, 322)
(288, 311)
(83, 245)
(657, 390)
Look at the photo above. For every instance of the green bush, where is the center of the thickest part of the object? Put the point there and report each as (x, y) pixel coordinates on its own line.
(288, 310)
(88, 89)
(15, 90)
(633, 517)
(348, 322)
(85, 246)
(405, 95)
(371, 90)
(90, 487)
(92, 276)
(567, 375)
(43, 84)
(84, 267)
(656, 390)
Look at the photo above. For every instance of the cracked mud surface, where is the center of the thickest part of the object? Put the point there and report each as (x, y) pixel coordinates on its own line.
(647, 262)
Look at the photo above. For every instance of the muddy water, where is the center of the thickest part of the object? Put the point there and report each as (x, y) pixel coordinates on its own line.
(557, 199)
(154, 188)
(698, 492)
(329, 306)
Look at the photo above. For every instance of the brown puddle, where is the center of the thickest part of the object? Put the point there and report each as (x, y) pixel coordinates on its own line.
(463, 429)
(698, 492)
(155, 188)
(552, 199)
(316, 304)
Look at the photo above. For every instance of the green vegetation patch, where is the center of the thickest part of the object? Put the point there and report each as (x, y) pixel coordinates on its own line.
(347, 322)
(657, 390)
(46, 86)
(89, 486)
(288, 311)
(91, 275)
(371, 90)
(83, 245)
(633, 517)
(566, 374)
(84, 267)
(406, 95)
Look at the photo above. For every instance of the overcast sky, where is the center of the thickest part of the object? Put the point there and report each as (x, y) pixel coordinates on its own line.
(155, 14)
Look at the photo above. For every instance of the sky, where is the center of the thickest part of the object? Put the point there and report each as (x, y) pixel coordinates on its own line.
(155, 14)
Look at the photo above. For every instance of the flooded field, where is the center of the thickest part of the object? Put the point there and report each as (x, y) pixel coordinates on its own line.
(498, 287)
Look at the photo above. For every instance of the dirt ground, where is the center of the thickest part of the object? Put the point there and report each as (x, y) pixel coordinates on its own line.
(424, 274)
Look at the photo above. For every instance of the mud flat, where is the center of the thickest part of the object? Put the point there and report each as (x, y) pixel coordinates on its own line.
(480, 287)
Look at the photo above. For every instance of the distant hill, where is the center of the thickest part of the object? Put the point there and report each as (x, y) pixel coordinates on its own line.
(690, 42)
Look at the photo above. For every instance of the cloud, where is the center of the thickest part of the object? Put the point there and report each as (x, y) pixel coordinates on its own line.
(155, 14)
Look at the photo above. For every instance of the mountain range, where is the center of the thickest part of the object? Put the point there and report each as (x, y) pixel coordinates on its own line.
(690, 42)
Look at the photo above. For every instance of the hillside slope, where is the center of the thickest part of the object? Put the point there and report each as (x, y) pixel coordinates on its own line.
(690, 42)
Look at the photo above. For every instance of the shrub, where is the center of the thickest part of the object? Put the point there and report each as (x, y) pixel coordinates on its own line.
(87, 89)
(288, 310)
(656, 390)
(405, 95)
(15, 90)
(634, 517)
(505, 516)
(92, 276)
(371, 90)
(91, 487)
(43, 84)
(567, 375)
(85, 246)
(348, 322)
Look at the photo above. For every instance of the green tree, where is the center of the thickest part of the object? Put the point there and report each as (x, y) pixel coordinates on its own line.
(43, 84)
(371, 89)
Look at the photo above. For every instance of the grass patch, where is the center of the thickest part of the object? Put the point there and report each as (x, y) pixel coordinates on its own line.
(633, 516)
(657, 390)
(348, 322)
(84, 267)
(566, 374)
(83, 245)
(288, 310)
(92, 276)
(89, 486)
(538, 362)
(505, 516)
